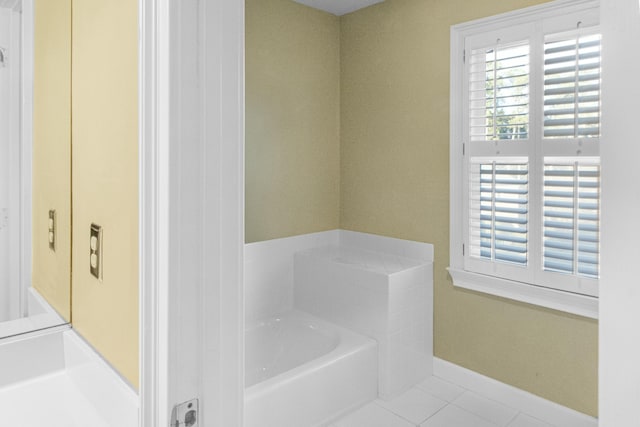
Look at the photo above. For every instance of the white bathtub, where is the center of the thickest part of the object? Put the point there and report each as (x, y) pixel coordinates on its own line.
(305, 372)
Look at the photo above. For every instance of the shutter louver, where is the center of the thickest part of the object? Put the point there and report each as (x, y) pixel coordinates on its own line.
(499, 211)
(499, 93)
(571, 218)
(572, 86)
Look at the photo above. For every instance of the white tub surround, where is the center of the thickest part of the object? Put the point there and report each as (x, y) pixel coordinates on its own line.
(303, 371)
(57, 380)
(380, 287)
(268, 272)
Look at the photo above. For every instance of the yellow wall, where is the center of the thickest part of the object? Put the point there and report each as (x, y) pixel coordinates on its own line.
(292, 119)
(51, 183)
(395, 182)
(105, 176)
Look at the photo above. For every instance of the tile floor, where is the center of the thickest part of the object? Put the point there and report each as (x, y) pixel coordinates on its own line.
(437, 403)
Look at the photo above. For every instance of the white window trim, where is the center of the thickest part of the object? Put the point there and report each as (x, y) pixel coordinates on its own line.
(569, 302)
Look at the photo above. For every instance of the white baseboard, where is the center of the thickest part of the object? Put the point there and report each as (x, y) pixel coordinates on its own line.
(545, 410)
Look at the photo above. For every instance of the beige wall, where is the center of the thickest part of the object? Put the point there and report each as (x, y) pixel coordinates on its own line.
(105, 176)
(292, 119)
(51, 183)
(395, 182)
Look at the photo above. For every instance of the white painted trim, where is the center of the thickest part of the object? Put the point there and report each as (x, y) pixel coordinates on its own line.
(546, 10)
(619, 338)
(153, 86)
(192, 169)
(223, 127)
(557, 299)
(15, 174)
(187, 222)
(26, 153)
(582, 305)
(543, 409)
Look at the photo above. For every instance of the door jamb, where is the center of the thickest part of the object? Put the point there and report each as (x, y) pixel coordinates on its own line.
(221, 56)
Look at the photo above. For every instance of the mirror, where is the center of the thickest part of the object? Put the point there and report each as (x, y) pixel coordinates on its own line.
(35, 165)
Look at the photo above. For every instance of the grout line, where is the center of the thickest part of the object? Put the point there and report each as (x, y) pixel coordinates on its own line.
(479, 416)
(434, 414)
(397, 415)
(513, 419)
(452, 403)
(518, 411)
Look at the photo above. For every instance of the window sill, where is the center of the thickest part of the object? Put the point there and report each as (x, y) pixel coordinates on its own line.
(581, 305)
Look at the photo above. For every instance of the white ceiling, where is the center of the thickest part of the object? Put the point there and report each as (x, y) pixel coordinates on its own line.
(339, 7)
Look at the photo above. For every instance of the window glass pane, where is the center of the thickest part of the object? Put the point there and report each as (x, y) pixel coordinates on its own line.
(571, 235)
(498, 202)
(572, 86)
(499, 92)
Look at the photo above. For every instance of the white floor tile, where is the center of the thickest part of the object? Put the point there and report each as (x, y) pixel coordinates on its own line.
(523, 420)
(415, 405)
(488, 409)
(372, 415)
(441, 389)
(452, 416)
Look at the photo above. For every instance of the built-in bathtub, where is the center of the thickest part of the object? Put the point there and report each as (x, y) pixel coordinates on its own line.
(359, 317)
(302, 371)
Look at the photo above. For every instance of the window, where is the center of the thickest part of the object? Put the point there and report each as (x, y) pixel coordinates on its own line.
(525, 166)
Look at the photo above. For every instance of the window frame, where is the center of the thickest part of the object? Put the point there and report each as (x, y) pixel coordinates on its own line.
(555, 15)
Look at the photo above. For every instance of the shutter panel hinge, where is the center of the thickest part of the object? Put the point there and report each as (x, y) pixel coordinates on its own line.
(464, 56)
(463, 249)
(463, 148)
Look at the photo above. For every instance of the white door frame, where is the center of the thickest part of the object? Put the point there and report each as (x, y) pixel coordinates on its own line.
(15, 172)
(26, 154)
(153, 94)
(619, 326)
(191, 209)
(19, 172)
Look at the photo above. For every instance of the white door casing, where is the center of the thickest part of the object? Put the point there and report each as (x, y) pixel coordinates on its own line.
(11, 182)
(619, 326)
(191, 209)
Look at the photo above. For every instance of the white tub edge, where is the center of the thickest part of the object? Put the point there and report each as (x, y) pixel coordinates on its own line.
(351, 346)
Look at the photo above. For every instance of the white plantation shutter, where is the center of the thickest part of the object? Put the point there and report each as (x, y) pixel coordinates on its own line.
(499, 211)
(499, 106)
(532, 168)
(571, 180)
(571, 218)
(499, 92)
(572, 85)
